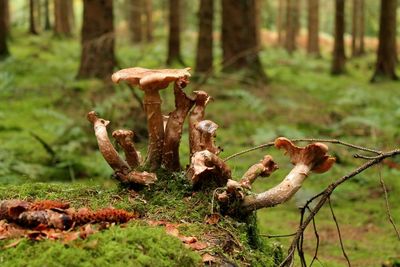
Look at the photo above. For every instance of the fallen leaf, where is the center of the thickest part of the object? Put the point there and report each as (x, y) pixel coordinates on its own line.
(197, 245)
(188, 239)
(208, 258)
(212, 218)
(13, 244)
(172, 230)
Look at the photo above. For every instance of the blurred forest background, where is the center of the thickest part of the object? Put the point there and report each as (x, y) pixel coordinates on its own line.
(310, 68)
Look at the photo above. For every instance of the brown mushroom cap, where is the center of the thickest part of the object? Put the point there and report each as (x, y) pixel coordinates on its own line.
(150, 79)
(313, 154)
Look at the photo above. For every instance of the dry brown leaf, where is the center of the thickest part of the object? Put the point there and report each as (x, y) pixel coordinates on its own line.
(172, 230)
(197, 245)
(208, 258)
(13, 244)
(188, 239)
(212, 218)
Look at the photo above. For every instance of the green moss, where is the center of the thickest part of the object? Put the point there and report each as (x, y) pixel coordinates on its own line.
(133, 245)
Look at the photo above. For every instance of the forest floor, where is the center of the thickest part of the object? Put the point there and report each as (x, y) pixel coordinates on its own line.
(41, 102)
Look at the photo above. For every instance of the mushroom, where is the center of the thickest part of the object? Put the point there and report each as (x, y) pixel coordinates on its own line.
(208, 129)
(125, 140)
(206, 167)
(264, 168)
(312, 158)
(174, 125)
(197, 115)
(151, 81)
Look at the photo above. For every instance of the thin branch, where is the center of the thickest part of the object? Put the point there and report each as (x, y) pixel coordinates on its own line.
(278, 236)
(317, 239)
(332, 141)
(326, 194)
(389, 214)
(301, 240)
(339, 233)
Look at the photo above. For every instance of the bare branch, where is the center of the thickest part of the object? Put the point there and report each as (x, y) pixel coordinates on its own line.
(125, 140)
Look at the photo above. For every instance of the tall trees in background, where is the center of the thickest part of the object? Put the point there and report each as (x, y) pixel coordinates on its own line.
(148, 11)
(32, 20)
(240, 42)
(98, 38)
(47, 24)
(63, 17)
(339, 57)
(280, 21)
(174, 39)
(386, 54)
(313, 27)
(292, 24)
(3, 28)
(357, 31)
(135, 20)
(204, 57)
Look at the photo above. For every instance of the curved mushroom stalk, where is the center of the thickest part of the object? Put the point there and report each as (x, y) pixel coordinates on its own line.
(122, 170)
(106, 148)
(313, 157)
(195, 116)
(173, 128)
(208, 131)
(125, 140)
(151, 81)
(264, 168)
(207, 168)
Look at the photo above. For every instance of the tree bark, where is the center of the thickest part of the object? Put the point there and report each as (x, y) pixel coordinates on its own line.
(149, 20)
(3, 29)
(339, 57)
(97, 58)
(47, 24)
(291, 25)
(135, 20)
(386, 54)
(280, 22)
(62, 18)
(174, 41)
(240, 43)
(357, 40)
(204, 58)
(32, 21)
(313, 28)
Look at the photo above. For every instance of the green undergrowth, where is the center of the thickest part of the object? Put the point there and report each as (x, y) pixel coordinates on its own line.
(136, 243)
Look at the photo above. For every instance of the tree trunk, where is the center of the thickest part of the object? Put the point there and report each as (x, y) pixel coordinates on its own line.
(97, 58)
(32, 23)
(204, 59)
(386, 54)
(313, 28)
(339, 57)
(357, 40)
(3, 29)
(291, 25)
(135, 20)
(174, 42)
(47, 24)
(148, 6)
(280, 22)
(240, 43)
(62, 18)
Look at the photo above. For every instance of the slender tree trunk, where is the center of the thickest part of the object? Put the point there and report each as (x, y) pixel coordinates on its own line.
(291, 25)
(71, 14)
(135, 20)
(97, 57)
(7, 17)
(280, 22)
(38, 11)
(386, 55)
(240, 45)
(32, 22)
(149, 20)
(174, 41)
(204, 58)
(339, 57)
(3, 29)
(62, 18)
(362, 28)
(47, 24)
(313, 28)
(357, 40)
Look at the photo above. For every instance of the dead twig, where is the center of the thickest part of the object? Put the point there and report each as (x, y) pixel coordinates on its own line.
(389, 214)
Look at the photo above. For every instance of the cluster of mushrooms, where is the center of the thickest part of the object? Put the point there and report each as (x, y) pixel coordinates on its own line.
(205, 167)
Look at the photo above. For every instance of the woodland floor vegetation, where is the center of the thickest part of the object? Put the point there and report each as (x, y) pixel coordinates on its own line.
(41, 100)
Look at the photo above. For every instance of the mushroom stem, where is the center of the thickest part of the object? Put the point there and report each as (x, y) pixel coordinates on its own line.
(125, 140)
(197, 115)
(206, 167)
(152, 107)
(173, 129)
(280, 193)
(106, 148)
(264, 169)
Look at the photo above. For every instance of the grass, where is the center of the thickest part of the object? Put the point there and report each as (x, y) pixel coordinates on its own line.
(39, 95)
